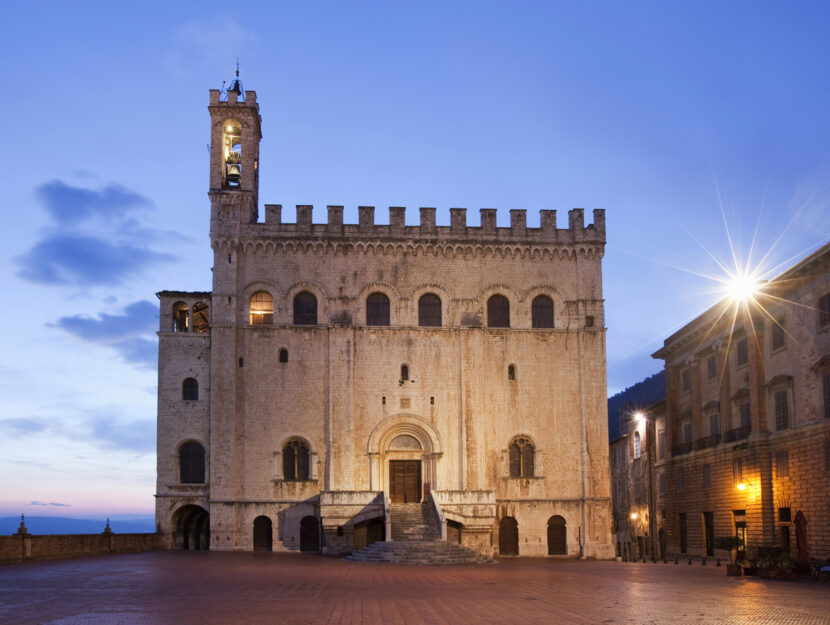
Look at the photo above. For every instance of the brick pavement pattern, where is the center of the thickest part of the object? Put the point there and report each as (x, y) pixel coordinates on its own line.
(254, 588)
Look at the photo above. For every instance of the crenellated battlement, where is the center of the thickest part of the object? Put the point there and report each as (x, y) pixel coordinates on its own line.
(517, 232)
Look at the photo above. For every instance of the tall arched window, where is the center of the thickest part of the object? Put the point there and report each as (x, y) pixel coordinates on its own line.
(305, 309)
(404, 372)
(542, 312)
(295, 460)
(521, 457)
(180, 317)
(261, 308)
(511, 372)
(283, 356)
(192, 463)
(190, 389)
(636, 444)
(429, 310)
(377, 310)
(498, 312)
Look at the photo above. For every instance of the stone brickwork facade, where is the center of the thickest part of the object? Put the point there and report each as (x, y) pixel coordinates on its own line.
(748, 420)
(348, 367)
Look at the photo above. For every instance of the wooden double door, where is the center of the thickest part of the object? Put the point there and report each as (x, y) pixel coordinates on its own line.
(405, 481)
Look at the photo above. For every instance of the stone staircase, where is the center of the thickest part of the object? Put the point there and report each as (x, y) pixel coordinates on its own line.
(415, 540)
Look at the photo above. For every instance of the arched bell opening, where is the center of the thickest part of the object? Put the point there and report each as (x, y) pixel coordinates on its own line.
(232, 153)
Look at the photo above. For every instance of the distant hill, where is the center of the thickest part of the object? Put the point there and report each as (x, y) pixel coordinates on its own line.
(643, 393)
(62, 525)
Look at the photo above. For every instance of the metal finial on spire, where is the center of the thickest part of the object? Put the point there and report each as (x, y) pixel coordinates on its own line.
(237, 67)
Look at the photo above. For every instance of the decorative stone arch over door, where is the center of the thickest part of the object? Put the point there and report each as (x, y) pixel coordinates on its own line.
(399, 438)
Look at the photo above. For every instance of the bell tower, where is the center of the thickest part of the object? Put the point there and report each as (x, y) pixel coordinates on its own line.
(235, 133)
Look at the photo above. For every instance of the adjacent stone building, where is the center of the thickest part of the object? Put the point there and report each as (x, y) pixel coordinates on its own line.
(336, 371)
(748, 420)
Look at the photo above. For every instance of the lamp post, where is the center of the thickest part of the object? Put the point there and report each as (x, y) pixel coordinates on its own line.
(641, 417)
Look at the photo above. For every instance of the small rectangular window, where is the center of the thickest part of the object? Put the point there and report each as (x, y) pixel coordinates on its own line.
(782, 410)
(737, 470)
(741, 353)
(712, 367)
(686, 380)
(784, 515)
(782, 464)
(778, 334)
(707, 475)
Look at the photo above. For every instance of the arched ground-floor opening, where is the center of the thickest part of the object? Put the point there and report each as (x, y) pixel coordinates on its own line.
(192, 528)
(263, 534)
(508, 537)
(310, 534)
(557, 536)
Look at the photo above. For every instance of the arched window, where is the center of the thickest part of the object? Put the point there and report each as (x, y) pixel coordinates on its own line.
(283, 355)
(511, 372)
(377, 310)
(542, 312)
(181, 321)
(295, 460)
(521, 457)
(192, 463)
(636, 444)
(305, 309)
(232, 153)
(201, 318)
(498, 312)
(404, 372)
(261, 308)
(190, 389)
(429, 310)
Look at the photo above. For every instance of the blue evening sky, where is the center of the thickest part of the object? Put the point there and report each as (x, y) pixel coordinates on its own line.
(680, 119)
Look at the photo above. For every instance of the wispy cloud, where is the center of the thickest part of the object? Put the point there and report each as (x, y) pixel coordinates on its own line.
(125, 332)
(21, 426)
(70, 205)
(120, 433)
(96, 238)
(53, 504)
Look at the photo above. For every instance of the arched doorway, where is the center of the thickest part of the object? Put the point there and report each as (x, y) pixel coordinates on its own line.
(508, 537)
(192, 528)
(404, 451)
(557, 536)
(310, 534)
(263, 534)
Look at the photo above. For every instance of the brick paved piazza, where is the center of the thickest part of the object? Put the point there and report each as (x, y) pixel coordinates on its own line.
(226, 588)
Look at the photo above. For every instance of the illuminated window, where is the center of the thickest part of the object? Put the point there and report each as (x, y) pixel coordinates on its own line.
(636, 444)
(181, 317)
(261, 309)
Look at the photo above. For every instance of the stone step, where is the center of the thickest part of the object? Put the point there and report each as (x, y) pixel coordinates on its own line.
(423, 552)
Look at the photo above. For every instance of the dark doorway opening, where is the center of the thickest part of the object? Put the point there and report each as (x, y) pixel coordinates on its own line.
(263, 536)
(557, 536)
(709, 532)
(508, 537)
(310, 534)
(192, 528)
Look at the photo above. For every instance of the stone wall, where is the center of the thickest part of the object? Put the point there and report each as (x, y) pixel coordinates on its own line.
(26, 547)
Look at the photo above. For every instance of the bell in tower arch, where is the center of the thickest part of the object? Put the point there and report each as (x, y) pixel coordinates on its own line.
(232, 153)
